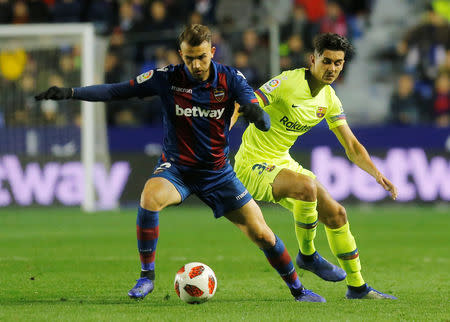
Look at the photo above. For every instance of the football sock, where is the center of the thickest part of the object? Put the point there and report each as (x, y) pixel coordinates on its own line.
(305, 216)
(147, 231)
(149, 274)
(343, 246)
(280, 259)
(358, 289)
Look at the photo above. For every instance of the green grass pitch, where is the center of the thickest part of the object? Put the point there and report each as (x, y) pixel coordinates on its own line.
(62, 264)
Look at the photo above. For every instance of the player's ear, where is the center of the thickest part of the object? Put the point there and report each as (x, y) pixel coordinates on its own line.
(180, 53)
(312, 58)
(213, 51)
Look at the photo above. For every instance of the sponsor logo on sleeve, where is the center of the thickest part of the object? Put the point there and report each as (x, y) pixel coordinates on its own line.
(145, 76)
(271, 85)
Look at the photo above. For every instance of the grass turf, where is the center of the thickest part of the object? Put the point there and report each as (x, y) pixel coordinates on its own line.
(61, 264)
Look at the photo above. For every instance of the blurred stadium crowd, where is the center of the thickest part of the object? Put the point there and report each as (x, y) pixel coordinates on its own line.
(141, 34)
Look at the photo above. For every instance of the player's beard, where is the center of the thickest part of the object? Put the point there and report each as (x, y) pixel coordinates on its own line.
(200, 75)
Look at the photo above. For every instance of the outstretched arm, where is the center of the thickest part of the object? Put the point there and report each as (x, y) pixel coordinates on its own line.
(358, 155)
(104, 92)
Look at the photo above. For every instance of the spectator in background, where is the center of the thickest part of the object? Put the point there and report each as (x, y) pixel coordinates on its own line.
(113, 68)
(128, 20)
(157, 20)
(405, 102)
(250, 73)
(334, 21)
(258, 55)
(441, 101)
(296, 23)
(315, 10)
(224, 54)
(207, 9)
(234, 14)
(424, 49)
(20, 14)
(67, 11)
(293, 54)
(67, 68)
(195, 18)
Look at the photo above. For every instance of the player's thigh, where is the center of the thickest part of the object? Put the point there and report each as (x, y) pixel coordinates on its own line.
(298, 184)
(250, 221)
(330, 212)
(164, 188)
(159, 193)
(223, 192)
(257, 177)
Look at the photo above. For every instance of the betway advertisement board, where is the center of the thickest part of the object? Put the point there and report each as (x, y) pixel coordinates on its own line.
(420, 168)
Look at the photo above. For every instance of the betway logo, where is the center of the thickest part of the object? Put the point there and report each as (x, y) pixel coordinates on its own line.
(198, 112)
(62, 182)
(294, 126)
(415, 175)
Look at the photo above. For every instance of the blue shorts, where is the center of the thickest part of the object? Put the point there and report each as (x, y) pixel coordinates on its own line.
(220, 189)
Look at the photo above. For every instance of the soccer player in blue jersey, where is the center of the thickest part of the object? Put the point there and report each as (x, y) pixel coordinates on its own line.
(198, 99)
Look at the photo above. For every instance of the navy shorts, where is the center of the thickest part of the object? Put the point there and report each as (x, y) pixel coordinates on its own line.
(220, 189)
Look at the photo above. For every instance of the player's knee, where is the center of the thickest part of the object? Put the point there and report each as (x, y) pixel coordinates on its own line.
(337, 218)
(307, 189)
(263, 237)
(151, 200)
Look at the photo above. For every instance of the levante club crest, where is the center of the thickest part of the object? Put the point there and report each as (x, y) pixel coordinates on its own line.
(321, 110)
(219, 94)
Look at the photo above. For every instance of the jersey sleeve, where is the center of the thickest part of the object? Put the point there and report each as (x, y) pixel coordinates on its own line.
(147, 84)
(335, 116)
(150, 83)
(268, 92)
(241, 89)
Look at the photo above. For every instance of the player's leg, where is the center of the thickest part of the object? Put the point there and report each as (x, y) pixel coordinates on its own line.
(343, 245)
(157, 194)
(297, 191)
(250, 221)
(163, 189)
(286, 182)
(297, 186)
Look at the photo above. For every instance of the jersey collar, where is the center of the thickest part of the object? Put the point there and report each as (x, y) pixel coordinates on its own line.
(206, 84)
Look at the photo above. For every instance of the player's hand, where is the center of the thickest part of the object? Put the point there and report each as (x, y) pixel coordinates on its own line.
(255, 114)
(387, 185)
(55, 93)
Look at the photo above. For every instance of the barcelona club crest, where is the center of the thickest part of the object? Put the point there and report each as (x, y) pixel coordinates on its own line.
(219, 94)
(321, 110)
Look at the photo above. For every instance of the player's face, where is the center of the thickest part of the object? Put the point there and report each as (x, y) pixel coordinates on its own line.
(197, 59)
(327, 67)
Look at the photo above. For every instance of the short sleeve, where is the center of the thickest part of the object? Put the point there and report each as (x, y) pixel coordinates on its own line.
(335, 116)
(268, 92)
(241, 89)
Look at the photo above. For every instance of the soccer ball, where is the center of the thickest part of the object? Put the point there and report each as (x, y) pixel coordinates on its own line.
(195, 283)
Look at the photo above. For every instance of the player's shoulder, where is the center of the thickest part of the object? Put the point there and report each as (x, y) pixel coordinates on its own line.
(228, 70)
(287, 80)
(330, 91)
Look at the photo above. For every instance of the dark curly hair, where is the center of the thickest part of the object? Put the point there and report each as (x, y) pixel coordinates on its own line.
(332, 41)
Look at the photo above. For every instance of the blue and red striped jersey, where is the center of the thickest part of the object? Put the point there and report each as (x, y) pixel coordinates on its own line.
(196, 114)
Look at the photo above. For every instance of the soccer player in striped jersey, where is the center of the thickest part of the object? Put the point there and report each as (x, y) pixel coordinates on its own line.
(297, 100)
(198, 98)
